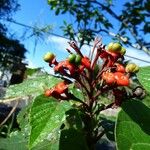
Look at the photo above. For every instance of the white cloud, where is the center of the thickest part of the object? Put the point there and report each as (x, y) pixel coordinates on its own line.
(30, 64)
(60, 43)
(86, 50)
(138, 54)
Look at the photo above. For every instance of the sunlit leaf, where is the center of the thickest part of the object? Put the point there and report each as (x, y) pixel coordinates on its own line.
(144, 77)
(15, 142)
(46, 117)
(133, 126)
(32, 86)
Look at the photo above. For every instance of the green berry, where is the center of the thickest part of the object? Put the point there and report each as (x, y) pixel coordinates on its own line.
(114, 47)
(72, 58)
(109, 47)
(78, 59)
(123, 51)
(132, 68)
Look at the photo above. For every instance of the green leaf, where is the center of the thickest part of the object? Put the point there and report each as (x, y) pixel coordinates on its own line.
(47, 145)
(57, 11)
(23, 119)
(144, 77)
(146, 100)
(32, 86)
(133, 125)
(141, 146)
(15, 142)
(46, 117)
(32, 71)
(76, 92)
(74, 119)
(18, 141)
(72, 139)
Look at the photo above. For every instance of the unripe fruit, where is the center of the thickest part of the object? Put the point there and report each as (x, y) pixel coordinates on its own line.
(139, 92)
(132, 68)
(48, 57)
(78, 59)
(123, 51)
(110, 45)
(114, 47)
(72, 58)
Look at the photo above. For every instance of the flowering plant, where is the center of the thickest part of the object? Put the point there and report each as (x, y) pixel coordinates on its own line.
(70, 110)
(105, 73)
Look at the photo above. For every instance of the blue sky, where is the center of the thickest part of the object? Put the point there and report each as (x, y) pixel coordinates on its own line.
(39, 12)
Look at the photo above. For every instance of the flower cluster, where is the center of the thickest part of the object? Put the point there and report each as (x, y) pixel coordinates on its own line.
(102, 71)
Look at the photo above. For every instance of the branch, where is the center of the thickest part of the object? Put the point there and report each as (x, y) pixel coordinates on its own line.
(9, 115)
(99, 136)
(4, 101)
(131, 30)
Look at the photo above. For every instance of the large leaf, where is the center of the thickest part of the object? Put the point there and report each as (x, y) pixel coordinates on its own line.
(47, 145)
(15, 142)
(18, 141)
(144, 77)
(46, 117)
(73, 119)
(72, 139)
(76, 92)
(133, 126)
(32, 86)
(141, 146)
(23, 119)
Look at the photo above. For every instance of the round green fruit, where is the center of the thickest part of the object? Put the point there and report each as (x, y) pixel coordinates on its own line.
(72, 58)
(48, 57)
(109, 47)
(132, 68)
(78, 59)
(114, 47)
(123, 51)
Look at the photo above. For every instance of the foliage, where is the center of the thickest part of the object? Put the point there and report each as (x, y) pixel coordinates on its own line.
(72, 112)
(93, 17)
(32, 71)
(32, 86)
(7, 7)
(46, 117)
(11, 53)
(15, 141)
(144, 78)
(132, 129)
(11, 50)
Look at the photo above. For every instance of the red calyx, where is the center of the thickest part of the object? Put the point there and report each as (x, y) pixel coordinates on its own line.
(64, 65)
(61, 87)
(110, 57)
(85, 61)
(56, 91)
(119, 68)
(108, 77)
(121, 79)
